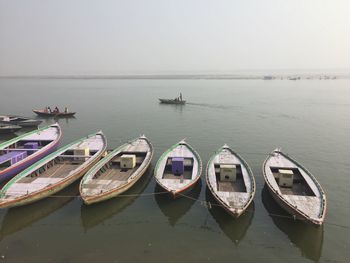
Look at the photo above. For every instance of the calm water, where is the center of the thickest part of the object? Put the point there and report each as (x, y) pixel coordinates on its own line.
(309, 119)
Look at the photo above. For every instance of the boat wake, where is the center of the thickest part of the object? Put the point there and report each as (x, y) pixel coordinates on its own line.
(212, 106)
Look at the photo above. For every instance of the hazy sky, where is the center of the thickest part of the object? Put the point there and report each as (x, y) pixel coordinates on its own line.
(157, 36)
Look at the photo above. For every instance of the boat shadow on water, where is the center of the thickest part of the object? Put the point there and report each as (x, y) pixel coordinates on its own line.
(97, 213)
(6, 137)
(176, 107)
(234, 228)
(308, 238)
(174, 209)
(18, 218)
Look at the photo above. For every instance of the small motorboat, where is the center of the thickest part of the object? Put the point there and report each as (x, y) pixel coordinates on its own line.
(117, 172)
(231, 181)
(19, 120)
(22, 151)
(46, 113)
(9, 128)
(178, 169)
(172, 101)
(177, 100)
(294, 188)
(54, 172)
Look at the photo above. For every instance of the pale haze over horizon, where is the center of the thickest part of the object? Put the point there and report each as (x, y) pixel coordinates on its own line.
(157, 36)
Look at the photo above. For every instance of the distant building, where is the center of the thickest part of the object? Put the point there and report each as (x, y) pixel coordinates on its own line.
(268, 77)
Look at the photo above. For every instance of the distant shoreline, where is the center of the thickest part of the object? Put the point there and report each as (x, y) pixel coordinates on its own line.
(293, 77)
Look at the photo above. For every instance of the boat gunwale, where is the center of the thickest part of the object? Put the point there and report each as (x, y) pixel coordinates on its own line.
(252, 179)
(199, 170)
(322, 214)
(18, 138)
(41, 112)
(93, 170)
(171, 101)
(45, 160)
(37, 153)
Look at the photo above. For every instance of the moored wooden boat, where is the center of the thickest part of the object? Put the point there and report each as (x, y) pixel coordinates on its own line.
(22, 151)
(19, 120)
(117, 172)
(44, 113)
(9, 128)
(294, 188)
(230, 180)
(54, 172)
(178, 169)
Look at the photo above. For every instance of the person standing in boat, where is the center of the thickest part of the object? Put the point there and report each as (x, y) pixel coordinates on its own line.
(56, 110)
(49, 109)
(180, 96)
(65, 110)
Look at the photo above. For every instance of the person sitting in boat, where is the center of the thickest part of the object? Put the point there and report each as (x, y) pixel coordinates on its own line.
(56, 110)
(49, 109)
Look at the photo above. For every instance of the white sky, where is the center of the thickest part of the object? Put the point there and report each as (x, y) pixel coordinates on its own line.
(158, 36)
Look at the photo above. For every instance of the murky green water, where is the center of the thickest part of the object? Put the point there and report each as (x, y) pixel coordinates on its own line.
(309, 119)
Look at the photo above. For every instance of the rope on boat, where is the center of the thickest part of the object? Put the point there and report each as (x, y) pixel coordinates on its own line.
(209, 205)
(290, 153)
(204, 203)
(120, 195)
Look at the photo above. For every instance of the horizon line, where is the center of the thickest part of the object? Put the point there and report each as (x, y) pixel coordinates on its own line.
(241, 75)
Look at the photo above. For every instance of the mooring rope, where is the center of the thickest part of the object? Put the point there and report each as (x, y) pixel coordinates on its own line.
(120, 195)
(209, 205)
(206, 204)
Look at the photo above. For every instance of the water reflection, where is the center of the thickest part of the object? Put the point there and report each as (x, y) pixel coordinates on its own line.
(234, 229)
(26, 130)
(308, 238)
(95, 214)
(175, 107)
(60, 120)
(175, 209)
(18, 218)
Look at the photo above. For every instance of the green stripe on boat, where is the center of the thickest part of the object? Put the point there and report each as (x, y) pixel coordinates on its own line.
(16, 139)
(104, 160)
(38, 163)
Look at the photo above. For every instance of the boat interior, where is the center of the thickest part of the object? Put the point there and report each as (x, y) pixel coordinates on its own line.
(227, 184)
(60, 166)
(295, 183)
(187, 169)
(20, 150)
(116, 169)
